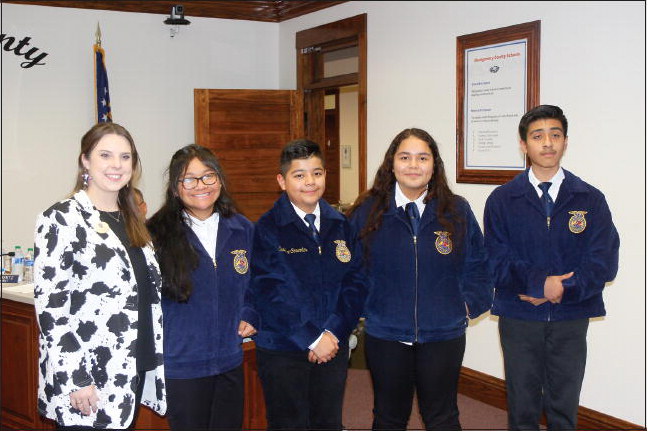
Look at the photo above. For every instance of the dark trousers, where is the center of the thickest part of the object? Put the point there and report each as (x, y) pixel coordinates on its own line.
(544, 364)
(206, 403)
(301, 395)
(431, 368)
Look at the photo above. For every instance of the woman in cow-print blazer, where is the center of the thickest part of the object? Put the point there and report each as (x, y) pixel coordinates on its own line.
(96, 288)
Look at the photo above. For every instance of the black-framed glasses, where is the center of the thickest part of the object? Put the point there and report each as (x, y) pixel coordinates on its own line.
(190, 183)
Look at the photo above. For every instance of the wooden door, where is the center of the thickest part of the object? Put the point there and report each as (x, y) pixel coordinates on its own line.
(246, 129)
(331, 150)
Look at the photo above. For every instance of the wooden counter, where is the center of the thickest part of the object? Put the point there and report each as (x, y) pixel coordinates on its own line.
(19, 372)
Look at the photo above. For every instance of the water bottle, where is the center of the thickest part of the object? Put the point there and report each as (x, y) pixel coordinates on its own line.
(28, 273)
(17, 265)
(6, 262)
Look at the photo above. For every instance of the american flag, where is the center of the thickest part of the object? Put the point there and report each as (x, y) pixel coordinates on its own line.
(101, 82)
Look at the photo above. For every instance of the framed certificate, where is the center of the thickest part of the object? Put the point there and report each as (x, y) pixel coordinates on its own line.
(498, 80)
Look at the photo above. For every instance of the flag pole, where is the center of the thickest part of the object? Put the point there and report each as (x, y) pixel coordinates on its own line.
(98, 35)
(102, 96)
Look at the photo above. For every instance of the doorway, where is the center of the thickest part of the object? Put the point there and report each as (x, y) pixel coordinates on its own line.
(332, 74)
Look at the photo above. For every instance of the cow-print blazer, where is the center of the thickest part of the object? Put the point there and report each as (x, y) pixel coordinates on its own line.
(85, 296)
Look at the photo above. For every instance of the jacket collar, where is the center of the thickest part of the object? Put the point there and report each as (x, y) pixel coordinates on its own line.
(226, 227)
(84, 200)
(427, 215)
(286, 213)
(520, 185)
(87, 208)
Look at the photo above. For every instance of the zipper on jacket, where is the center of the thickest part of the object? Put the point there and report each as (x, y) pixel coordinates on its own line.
(214, 262)
(549, 242)
(415, 289)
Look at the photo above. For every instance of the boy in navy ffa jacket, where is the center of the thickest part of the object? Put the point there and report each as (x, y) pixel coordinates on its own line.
(309, 290)
(552, 248)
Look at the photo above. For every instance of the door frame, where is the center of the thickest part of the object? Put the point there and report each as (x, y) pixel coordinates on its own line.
(310, 45)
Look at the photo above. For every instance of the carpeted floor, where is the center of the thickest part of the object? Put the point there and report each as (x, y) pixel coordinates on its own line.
(358, 404)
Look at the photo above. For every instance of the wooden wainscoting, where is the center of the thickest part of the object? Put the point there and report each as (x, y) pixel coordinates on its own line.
(19, 378)
(492, 391)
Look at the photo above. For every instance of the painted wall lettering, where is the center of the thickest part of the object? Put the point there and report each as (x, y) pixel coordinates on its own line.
(20, 48)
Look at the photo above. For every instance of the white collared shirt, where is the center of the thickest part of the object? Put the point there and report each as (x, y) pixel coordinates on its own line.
(206, 231)
(402, 200)
(302, 214)
(555, 180)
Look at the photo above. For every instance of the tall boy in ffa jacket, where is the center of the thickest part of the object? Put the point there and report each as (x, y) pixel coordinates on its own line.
(308, 290)
(552, 247)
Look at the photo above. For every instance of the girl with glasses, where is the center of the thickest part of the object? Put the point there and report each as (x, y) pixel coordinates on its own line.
(203, 246)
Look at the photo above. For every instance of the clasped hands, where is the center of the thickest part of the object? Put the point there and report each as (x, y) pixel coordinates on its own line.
(553, 290)
(246, 329)
(325, 350)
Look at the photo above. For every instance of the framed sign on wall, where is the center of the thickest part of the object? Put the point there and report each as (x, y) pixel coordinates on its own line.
(498, 80)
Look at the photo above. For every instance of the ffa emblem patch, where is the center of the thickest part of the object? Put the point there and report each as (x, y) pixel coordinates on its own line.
(443, 242)
(241, 264)
(342, 251)
(577, 222)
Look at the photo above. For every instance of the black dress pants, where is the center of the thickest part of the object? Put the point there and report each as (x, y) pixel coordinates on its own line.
(544, 365)
(301, 395)
(208, 403)
(431, 368)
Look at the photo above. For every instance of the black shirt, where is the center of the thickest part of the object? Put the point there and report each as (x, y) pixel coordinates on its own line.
(145, 346)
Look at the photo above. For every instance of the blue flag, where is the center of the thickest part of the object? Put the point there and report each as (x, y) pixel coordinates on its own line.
(101, 82)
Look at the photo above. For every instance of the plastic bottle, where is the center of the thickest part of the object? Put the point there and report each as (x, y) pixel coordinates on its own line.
(17, 265)
(28, 272)
(6, 262)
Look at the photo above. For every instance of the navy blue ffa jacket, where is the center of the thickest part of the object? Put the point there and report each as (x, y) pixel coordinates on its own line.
(524, 248)
(201, 336)
(298, 292)
(420, 287)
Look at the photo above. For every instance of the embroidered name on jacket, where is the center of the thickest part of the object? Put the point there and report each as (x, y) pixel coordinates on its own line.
(241, 263)
(293, 250)
(577, 222)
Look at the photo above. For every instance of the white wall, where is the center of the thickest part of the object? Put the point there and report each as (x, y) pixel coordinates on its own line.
(46, 109)
(349, 187)
(593, 66)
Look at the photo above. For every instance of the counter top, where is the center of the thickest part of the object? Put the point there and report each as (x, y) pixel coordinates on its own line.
(20, 292)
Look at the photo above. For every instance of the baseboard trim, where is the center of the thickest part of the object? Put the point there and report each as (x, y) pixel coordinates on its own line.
(492, 391)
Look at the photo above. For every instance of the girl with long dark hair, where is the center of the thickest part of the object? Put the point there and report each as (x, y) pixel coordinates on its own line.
(96, 294)
(203, 247)
(428, 274)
